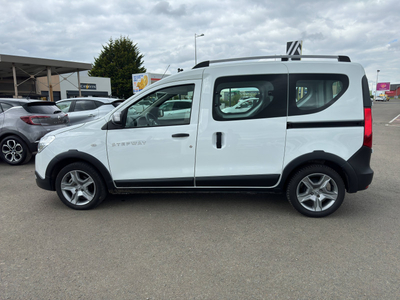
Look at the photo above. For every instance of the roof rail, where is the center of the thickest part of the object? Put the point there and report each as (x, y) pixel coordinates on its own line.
(207, 63)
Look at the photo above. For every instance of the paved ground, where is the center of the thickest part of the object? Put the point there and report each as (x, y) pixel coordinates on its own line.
(212, 246)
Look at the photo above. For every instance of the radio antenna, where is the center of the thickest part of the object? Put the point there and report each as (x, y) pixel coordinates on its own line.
(165, 72)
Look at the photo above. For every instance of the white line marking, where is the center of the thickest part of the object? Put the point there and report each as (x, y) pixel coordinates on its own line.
(394, 119)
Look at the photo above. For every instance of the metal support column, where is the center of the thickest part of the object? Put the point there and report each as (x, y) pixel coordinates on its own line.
(15, 81)
(50, 84)
(79, 83)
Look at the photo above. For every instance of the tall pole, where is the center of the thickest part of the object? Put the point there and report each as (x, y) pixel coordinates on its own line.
(50, 84)
(195, 53)
(376, 88)
(79, 83)
(195, 47)
(15, 81)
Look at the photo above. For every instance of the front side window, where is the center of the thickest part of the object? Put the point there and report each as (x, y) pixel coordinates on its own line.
(250, 97)
(169, 106)
(311, 93)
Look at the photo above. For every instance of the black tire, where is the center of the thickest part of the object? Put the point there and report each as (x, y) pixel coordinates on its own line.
(316, 191)
(80, 186)
(14, 151)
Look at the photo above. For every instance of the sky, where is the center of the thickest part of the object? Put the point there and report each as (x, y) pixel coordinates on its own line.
(368, 31)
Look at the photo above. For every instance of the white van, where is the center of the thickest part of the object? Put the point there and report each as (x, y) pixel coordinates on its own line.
(307, 131)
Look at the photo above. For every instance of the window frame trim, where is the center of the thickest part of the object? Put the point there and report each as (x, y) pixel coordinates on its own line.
(218, 116)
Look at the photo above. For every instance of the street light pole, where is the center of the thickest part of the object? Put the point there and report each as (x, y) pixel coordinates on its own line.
(376, 87)
(195, 50)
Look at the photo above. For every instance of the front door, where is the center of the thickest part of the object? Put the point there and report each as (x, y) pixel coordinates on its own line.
(156, 148)
(242, 128)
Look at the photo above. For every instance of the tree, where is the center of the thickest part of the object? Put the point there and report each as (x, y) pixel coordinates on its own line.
(118, 60)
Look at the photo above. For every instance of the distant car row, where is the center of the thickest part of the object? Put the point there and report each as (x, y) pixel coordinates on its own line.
(23, 122)
(380, 98)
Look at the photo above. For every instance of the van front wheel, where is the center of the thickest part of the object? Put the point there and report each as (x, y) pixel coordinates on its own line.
(80, 186)
(316, 191)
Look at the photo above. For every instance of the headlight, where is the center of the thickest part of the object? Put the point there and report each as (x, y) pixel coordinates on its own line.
(45, 141)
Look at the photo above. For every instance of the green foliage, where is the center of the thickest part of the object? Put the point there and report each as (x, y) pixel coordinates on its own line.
(118, 60)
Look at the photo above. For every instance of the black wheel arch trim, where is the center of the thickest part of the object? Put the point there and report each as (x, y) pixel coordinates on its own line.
(350, 178)
(72, 156)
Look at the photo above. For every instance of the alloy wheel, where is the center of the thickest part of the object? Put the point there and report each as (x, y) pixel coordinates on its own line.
(12, 151)
(78, 187)
(317, 192)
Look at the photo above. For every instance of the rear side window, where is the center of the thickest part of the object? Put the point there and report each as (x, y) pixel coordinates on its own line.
(82, 105)
(64, 106)
(4, 106)
(250, 97)
(42, 108)
(310, 93)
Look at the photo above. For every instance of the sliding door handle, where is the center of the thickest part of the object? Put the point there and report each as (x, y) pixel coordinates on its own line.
(180, 135)
(219, 140)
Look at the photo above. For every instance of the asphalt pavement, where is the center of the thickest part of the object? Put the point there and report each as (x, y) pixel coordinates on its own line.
(204, 246)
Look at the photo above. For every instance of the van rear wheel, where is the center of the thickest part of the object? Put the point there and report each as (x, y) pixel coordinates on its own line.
(80, 186)
(316, 191)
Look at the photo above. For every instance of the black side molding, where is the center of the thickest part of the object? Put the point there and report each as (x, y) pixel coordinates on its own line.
(238, 181)
(328, 124)
(149, 183)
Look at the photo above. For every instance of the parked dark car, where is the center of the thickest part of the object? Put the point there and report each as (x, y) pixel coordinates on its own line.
(22, 124)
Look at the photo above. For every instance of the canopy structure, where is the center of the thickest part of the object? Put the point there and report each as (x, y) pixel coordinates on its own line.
(18, 71)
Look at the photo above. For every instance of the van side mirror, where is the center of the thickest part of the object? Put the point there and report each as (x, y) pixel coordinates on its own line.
(116, 118)
(160, 113)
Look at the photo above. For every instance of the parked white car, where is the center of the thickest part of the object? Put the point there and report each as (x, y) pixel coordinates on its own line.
(308, 135)
(82, 110)
(379, 98)
(242, 106)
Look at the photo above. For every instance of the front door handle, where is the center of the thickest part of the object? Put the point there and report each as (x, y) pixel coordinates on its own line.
(180, 135)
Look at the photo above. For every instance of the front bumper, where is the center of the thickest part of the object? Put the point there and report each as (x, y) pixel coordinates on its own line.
(44, 183)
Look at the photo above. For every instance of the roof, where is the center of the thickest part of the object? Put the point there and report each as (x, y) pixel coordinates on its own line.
(19, 100)
(26, 66)
(100, 99)
(394, 87)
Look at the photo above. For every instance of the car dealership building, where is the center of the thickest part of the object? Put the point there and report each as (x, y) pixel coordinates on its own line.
(48, 79)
